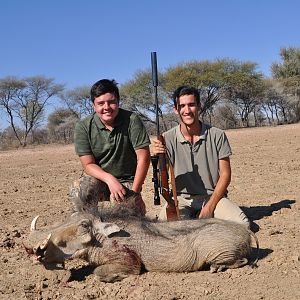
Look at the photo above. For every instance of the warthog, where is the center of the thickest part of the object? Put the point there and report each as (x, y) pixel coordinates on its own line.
(134, 245)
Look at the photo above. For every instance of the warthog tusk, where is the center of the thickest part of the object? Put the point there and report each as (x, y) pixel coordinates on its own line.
(45, 242)
(33, 224)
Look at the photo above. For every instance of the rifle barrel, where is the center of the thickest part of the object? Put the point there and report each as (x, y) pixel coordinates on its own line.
(155, 159)
(155, 84)
(154, 69)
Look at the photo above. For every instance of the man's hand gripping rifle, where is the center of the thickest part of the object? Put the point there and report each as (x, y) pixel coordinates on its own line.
(160, 162)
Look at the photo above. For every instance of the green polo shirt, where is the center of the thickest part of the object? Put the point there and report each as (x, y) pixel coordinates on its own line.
(196, 166)
(114, 151)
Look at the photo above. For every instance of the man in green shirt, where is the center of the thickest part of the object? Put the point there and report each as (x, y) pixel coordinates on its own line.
(199, 154)
(113, 148)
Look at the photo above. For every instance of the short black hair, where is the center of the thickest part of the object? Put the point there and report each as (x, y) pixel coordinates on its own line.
(185, 90)
(104, 86)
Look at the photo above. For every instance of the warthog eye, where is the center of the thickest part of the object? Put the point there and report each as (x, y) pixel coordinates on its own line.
(62, 243)
(85, 224)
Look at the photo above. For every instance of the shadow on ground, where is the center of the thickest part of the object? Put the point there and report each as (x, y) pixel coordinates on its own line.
(258, 212)
(80, 274)
(263, 252)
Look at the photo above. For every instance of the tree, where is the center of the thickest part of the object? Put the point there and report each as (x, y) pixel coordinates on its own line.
(225, 116)
(78, 101)
(8, 138)
(10, 90)
(276, 105)
(244, 88)
(270, 103)
(24, 101)
(287, 74)
(208, 77)
(137, 95)
(290, 66)
(215, 80)
(61, 124)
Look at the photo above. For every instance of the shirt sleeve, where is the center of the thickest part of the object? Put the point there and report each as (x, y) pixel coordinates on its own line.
(81, 140)
(223, 146)
(138, 134)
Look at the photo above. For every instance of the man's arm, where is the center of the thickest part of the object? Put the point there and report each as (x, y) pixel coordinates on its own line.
(224, 180)
(91, 168)
(143, 162)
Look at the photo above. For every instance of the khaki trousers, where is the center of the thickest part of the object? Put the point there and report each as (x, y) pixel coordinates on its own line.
(190, 207)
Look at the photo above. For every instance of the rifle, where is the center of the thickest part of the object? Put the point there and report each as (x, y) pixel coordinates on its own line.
(160, 174)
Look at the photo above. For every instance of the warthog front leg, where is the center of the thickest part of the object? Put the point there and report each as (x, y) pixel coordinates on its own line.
(115, 272)
(113, 263)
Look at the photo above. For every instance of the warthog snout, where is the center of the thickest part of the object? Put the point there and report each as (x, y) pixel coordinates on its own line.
(64, 240)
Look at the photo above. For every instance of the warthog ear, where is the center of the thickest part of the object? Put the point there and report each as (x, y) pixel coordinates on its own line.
(108, 228)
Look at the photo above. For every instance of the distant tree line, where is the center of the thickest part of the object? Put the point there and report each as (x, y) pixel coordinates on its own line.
(233, 94)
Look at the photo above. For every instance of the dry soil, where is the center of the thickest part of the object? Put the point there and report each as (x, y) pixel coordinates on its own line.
(265, 183)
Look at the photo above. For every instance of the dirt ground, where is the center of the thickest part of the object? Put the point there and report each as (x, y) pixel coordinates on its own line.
(265, 183)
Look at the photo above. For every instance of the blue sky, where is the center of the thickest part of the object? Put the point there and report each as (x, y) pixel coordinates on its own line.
(78, 42)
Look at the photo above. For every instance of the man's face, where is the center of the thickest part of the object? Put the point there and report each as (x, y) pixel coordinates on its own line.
(187, 109)
(107, 107)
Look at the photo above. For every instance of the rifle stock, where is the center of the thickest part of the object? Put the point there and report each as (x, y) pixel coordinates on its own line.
(162, 172)
(172, 210)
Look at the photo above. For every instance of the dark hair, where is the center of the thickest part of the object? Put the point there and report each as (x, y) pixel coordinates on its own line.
(104, 86)
(185, 90)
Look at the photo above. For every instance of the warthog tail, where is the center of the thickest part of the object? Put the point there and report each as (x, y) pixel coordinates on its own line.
(253, 264)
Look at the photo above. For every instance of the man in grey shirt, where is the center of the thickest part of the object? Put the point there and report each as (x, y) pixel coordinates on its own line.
(199, 154)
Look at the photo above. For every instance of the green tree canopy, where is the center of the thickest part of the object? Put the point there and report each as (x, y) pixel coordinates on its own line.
(244, 87)
(208, 77)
